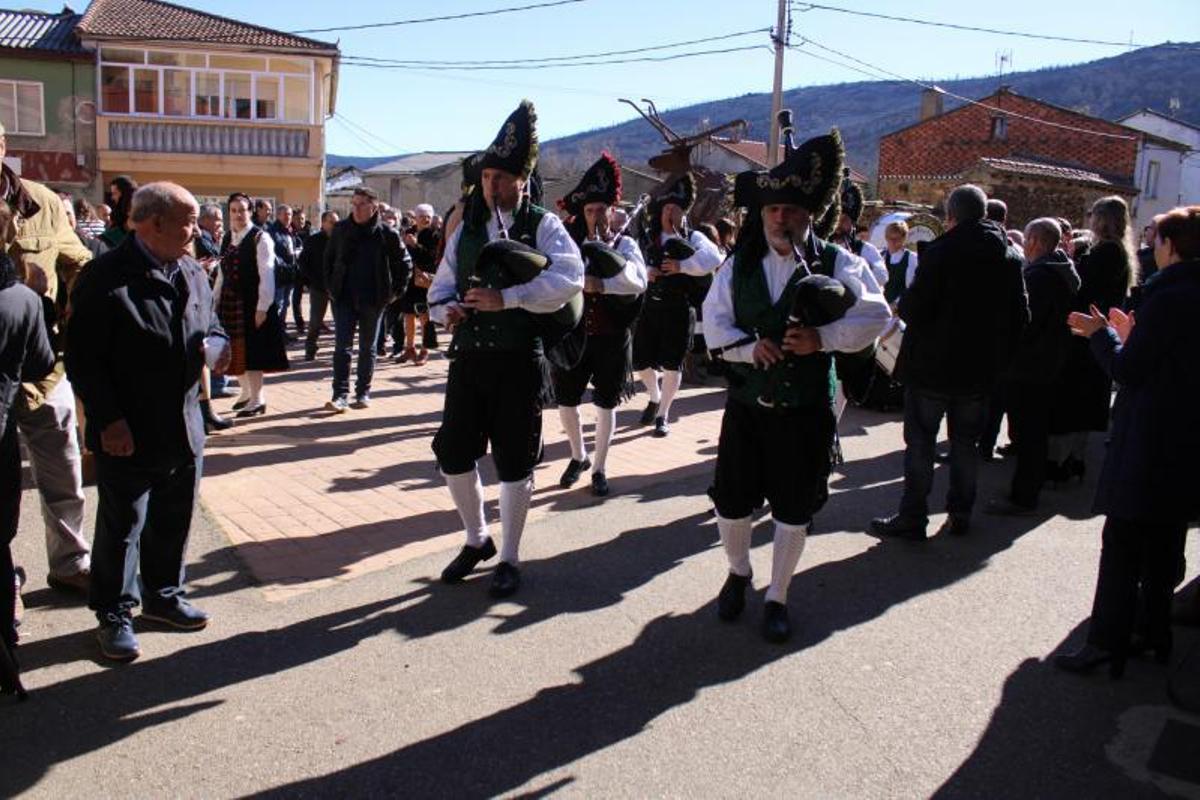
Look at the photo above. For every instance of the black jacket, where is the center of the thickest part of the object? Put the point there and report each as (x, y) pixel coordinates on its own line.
(312, 261)
(287, 248)
(392, 265)
(1051, 283)
(965, 312)
(25, 352)
(1150, 469)
(135, 351)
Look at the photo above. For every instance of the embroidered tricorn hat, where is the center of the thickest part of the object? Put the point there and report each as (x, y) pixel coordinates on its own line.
(515, 148)
(807, 177)
(852, 196)
(600, 184)
(681, 192)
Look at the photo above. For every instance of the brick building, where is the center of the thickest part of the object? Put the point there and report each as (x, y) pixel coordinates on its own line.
(1059, 168)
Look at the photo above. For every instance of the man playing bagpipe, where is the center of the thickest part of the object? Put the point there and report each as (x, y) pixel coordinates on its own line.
(778, 309)
(614, 278)
(676, 258)
(506, 270)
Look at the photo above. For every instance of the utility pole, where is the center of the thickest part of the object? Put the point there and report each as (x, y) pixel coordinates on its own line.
(780, 37)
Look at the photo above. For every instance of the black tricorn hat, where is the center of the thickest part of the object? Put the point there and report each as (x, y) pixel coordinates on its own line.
(471, 170)
(600, 184)
(852, 196)
(515, 148)
(681, 192)
(807, 177)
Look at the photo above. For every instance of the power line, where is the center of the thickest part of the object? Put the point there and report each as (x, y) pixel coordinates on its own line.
(355, 134)
(655, 59)
(974, 28)
(422, 20)
(489, 62)
(346, 120)
(805, 40)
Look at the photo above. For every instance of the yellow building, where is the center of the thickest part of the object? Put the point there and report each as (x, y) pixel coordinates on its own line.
(208, 102)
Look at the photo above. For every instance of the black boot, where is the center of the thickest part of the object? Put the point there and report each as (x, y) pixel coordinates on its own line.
(776, 628)
(505, 580)
(212, 421)
(731, 602)
(466, 560)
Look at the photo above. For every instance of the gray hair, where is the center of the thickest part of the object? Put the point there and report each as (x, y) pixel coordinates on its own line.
(423, 208)
(1046, 230)
(967, 203)
(210, 211)
(159, 199)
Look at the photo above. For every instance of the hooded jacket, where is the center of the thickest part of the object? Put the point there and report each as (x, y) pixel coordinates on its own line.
(1051, 283)
(965, 311)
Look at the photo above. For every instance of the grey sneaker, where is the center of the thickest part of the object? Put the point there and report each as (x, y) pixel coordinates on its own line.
(362, 401)
(116, 638)
(337, 405)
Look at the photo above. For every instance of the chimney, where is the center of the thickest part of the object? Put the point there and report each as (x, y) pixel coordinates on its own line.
(931, 103)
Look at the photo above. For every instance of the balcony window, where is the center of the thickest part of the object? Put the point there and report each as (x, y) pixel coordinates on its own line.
(114, 89)
(177, 91)
(1152, 170)
(266, 97)
(168, 59)
(22, 109)
(145, 91)
(247, 63)
(119, 55)
(294, 65)
(237, 95)
(296, 99)
(208, 94)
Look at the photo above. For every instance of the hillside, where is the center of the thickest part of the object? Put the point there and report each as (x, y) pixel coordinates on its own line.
(865, 111)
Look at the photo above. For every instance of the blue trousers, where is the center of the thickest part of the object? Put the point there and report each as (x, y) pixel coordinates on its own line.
(349, 316)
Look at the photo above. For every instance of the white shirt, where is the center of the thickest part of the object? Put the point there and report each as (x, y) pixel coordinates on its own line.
(863, 322)
(265, 255)
(707, 257)
(870, 254)
(632, 280)
(910, 273)
(546, 293)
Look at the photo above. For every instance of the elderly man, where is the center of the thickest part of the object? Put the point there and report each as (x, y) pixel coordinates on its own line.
(422, 242)
(777, 431)
(147, 302)
(496, 386)
(965, 311)
(48, 255)
(1052, 283)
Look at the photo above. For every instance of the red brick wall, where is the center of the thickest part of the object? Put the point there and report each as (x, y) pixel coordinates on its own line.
(954, 141)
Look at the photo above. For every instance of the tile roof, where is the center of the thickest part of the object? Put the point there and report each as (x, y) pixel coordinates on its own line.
(155, 20)
(35, 30)
(756, 152)
(416, 163)
(1044, 169)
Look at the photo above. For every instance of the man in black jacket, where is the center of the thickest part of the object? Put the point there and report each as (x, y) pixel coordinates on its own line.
(366, 267)
(25, 356)
(287, 254)
(1051, 281)
(965, 311)
(142, 328)
(312, 273)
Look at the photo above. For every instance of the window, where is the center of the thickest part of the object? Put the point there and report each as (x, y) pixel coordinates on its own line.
(208, 94)
(266, 97)
(114, 89)
(177, 92)
(1152, 170)
(237, 95)
(145, 91)
(21, 108)
(177, 59)
(999, 129)
(295, 99)
(249, 63)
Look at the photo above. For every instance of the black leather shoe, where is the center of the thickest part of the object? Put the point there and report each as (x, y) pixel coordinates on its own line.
(466, 560)
(212, 422)
(505, 580)
(661, 428)
(649, 413)
(571, 474)
(252, 411)
(956, 525)
(776, 628)
(240, 404)
(731, 602)
(1087, 658)
(898, 527)
(599, 484)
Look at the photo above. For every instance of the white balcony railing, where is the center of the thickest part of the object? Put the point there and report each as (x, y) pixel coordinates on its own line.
(224, 140)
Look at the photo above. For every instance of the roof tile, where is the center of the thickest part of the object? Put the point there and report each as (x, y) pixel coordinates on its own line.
(34, 30)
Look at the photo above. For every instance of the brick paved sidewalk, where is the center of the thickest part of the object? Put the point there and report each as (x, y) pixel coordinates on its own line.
(309, 498)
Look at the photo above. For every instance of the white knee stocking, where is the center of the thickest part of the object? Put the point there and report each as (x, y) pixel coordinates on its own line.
(514, 505)
(789, 544)
(467, 491)
(650, 379)
(670, 386)
(606, 420)
(574, 430)
(735, 538)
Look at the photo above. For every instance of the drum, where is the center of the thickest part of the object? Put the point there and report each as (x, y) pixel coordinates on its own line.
(888, 348)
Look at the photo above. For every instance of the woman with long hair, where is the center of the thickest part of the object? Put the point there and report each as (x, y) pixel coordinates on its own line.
(1107, 269)
(120, 200)
(246, 288)
(1147, 488)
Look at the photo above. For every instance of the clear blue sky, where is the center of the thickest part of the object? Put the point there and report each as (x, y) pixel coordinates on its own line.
(411, 110)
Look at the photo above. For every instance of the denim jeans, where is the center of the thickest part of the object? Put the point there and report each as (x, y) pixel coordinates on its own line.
(283, 295)
(923, 412)
(349, 315)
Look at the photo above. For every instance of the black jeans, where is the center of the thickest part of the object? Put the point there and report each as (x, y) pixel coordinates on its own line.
(347, 317)
(143, 517)
(318, 304)
(923, 412)
(10, 514)
(1029, 419)
(1138, 561)
(298, 304)
(997, 406)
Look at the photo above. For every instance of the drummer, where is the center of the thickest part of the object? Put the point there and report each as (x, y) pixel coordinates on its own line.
(901, 262)
(609, 311)
(496, 386)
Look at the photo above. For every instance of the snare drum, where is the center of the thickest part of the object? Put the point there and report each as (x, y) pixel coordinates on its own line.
(888, 348)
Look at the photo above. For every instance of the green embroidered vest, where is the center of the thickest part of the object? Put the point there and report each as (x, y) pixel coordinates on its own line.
(510, 330)
(797, 382)
(897, 275)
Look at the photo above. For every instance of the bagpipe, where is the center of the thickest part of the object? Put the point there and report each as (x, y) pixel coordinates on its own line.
(602, 260)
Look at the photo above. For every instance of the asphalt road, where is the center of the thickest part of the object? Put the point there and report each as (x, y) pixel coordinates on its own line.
(915, 671)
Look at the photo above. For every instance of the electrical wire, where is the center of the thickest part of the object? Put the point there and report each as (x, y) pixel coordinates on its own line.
(422, 20)
(644, 59)
(366, 131)
(356, 135)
